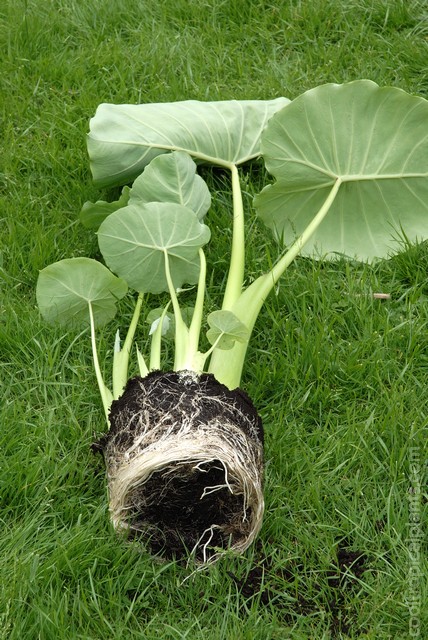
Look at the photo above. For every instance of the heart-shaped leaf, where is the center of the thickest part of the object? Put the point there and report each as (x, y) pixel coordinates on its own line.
(123, 139)
(65, 289)
(172, 178)
(226, 329)
(374, 141)
(93, 213)
(135, 240)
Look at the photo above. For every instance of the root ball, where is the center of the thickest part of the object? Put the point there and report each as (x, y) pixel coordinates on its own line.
(184, 459)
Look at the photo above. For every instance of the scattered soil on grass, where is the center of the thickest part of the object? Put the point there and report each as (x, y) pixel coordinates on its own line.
(268, 584)
(184, 458)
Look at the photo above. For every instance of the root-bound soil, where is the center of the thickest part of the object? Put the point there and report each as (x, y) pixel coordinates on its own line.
(184, 459)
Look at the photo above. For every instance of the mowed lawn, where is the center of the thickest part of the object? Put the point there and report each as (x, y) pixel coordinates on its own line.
(339, 374)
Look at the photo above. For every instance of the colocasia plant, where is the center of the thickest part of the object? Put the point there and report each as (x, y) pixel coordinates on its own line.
(184, 447)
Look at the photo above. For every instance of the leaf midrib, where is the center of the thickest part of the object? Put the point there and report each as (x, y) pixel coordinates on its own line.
(355, 177)
(138, 243)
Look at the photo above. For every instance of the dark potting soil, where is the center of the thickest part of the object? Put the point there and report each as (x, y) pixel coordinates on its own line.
(169, 511)
(174, 395)
(179, 517)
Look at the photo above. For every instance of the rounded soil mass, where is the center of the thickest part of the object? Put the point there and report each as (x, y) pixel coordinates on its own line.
(184, 459)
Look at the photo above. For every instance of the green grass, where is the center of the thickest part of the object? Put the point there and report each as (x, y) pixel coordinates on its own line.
(340, 378)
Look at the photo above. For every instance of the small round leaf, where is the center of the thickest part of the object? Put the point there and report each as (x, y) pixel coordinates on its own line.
(227, 329)
(66, 288)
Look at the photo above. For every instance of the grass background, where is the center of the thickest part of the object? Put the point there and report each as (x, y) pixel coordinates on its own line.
(339, 377)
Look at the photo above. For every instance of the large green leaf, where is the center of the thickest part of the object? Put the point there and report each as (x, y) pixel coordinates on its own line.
(135, 239)
(123, 139)
(375, 142)
(172, 178)
(66, 288)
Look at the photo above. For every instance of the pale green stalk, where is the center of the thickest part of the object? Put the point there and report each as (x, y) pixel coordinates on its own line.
(211, 349)
(227, 366)
(106, 394)
(196, 323)
(235, 278)
(155, 348)
(181, 330)
(121, 356)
